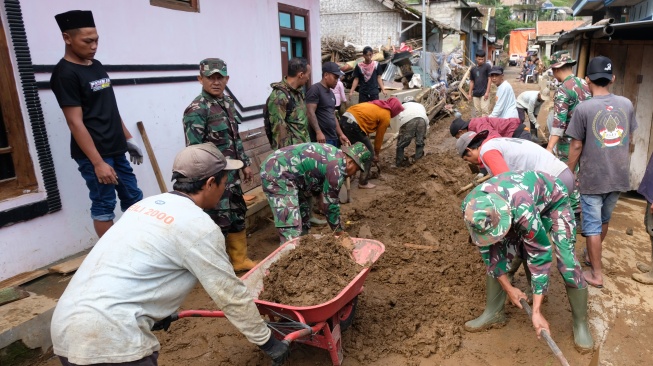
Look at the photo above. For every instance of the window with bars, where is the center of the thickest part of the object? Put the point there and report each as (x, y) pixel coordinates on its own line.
(183, 5)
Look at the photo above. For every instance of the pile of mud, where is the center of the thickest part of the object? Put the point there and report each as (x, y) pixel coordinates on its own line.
(430, 279)
(311, 274)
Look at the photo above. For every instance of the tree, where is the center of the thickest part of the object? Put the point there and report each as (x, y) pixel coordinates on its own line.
(505, 24)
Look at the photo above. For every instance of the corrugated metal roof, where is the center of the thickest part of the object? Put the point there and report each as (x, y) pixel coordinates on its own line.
(592, 28)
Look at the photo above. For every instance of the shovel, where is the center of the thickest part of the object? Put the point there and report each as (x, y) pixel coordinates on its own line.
(473, 184)
(547, 337)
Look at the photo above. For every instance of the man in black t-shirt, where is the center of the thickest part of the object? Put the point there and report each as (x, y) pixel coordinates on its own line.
(479, 86)
(321, 105)
(367, 77)
(99, 138)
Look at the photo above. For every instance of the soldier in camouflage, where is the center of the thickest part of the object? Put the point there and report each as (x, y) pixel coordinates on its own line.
(571, 92)
(512, 215)
(212, 117)
(286, 107)
(290, 174)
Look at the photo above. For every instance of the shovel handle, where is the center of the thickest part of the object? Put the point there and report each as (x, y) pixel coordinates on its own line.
(547, 337)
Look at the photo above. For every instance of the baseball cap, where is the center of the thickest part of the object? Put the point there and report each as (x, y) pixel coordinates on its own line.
(457, 125)
(561, 58)
(496, 70)
(332, 67)
(75, 19)
(544, 94)
(487, 217)
(600, 67)
(197, 162)
(359, 153)
(467, 138)
(210, 66)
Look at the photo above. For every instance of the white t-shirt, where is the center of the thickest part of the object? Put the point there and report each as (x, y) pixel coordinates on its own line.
(140, 271)
(411, 110)
(524, 155)
(506, 106)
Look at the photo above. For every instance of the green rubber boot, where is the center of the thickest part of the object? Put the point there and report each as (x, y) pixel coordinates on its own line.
(582, 336)
(493, 316)
(514, 267)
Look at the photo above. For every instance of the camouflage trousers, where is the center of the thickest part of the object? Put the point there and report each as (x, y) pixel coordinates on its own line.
(562, 148)
(498, 260)
(415, 128)
(231, 211)
(291, 208)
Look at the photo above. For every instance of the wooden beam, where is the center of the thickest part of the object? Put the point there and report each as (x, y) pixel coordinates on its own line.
(23, 278)
(68, 266)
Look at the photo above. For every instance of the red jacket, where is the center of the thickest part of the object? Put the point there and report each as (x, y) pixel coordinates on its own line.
(498, 127)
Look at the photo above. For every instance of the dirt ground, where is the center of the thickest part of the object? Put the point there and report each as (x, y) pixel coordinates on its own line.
(416, 300)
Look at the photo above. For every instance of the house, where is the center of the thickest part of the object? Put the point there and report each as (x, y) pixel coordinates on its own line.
(459, 15)
(630, 47)
(151, 50)
(379, 22)
(547, 32)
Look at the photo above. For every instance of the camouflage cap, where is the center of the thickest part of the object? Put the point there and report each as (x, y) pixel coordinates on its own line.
(359, 153)
(487, 217)
(561, 58)
(210, 66)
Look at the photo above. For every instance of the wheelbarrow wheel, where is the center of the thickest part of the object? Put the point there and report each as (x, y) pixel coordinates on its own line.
(347, 316)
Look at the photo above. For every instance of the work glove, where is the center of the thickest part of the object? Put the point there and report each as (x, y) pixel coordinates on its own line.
(277, 350)
(135, 153)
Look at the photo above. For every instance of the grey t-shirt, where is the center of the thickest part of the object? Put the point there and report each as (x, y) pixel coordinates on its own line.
(325, 112)
(605, 124)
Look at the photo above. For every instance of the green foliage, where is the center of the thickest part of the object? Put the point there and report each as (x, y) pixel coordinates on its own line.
(505, 24)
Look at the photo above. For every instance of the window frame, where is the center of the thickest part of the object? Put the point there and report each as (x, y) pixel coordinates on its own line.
(25, 177)
(193, 7)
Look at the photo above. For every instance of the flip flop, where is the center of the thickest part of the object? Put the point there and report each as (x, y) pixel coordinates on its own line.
(585, 261)
(593, 285)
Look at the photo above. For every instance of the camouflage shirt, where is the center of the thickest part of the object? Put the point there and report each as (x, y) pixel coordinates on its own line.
(206, 119)
(572, 91)
(539, 206)
(292, 129)
(308, 167)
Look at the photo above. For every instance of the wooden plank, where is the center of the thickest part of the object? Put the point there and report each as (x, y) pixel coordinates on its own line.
(265, 149)
(23, 278)
(68, 266)
(256, 181)
(644, 114)
(11, 294)
(252, 134)
(256, 142)
(632, 71)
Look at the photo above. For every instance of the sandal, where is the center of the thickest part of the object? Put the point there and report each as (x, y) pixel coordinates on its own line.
(585, 261)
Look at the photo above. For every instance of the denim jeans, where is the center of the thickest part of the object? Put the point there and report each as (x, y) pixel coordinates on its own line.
(103, 196)
(597, 210)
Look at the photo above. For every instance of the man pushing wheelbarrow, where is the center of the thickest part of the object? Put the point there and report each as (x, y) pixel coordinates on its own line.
(144, 266)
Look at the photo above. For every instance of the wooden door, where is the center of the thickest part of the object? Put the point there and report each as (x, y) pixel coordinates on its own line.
(284, 58)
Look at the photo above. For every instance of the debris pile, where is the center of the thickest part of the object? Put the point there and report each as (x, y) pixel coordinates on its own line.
(439, 75)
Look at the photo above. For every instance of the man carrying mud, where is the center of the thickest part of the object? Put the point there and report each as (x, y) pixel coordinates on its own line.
(512, 215)
(289, 173)
(146, 264)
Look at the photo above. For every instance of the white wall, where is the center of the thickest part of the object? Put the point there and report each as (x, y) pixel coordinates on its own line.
(363, 22)
(245, 33)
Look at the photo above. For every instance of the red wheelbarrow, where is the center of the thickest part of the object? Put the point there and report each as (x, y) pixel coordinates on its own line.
(320, 325)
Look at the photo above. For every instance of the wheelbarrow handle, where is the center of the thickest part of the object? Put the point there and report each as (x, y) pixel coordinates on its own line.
(164, 323)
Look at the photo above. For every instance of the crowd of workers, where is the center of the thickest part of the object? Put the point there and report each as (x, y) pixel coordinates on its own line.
(144, 265)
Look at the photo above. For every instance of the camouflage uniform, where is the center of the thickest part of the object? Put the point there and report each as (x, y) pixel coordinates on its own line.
(527, 206)
(290, 172)
(287, 130)
(205, 120)
(571, 92)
